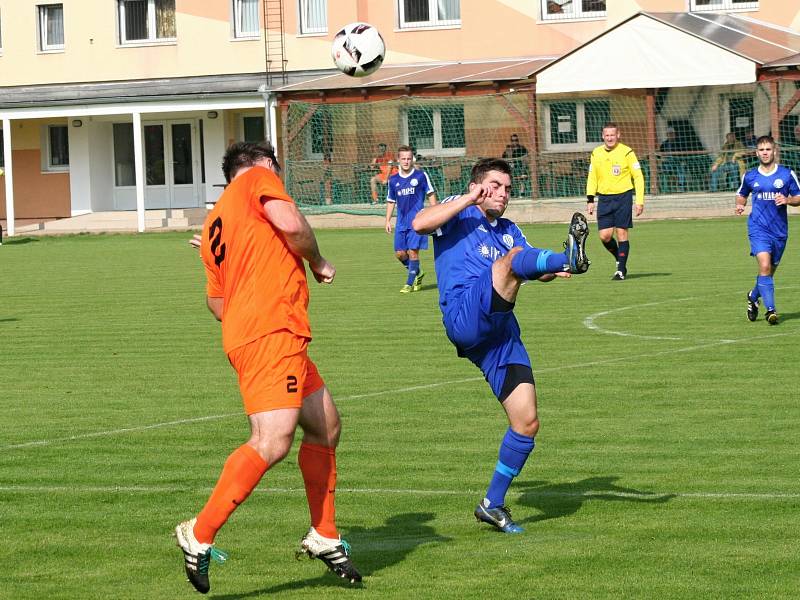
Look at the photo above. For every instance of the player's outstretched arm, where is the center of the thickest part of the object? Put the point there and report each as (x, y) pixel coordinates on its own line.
(430, 218)
(299, 237)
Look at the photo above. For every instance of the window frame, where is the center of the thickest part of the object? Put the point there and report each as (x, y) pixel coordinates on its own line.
(433, 22)
(42, 19)
(583, 144)
(717, 5)
(152, 26)
(243, 127)
(438, 150)
(47, 147)
(577, 14)
(303, 29)
(238, 33)
(2, 150)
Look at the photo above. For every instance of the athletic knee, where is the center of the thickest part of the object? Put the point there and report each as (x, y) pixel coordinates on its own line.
(401, 255)
(272, 449)
(529, 427)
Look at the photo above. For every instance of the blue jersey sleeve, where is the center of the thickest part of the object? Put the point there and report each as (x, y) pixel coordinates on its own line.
(519, 237)
(793, 188)
(447, 227)
(745, 188)
(428, 185)
(390, 190)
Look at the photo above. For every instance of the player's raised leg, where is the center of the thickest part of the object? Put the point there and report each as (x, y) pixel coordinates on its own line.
(532, 263)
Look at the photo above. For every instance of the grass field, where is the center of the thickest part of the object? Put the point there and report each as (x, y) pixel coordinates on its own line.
(667, 465)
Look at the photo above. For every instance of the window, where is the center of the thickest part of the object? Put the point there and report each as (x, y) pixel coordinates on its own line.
(124, 160)
(146, 20)
(701, 5)
(253, 129)
(435, 131)
(555, 10)
(575, 125)
(313, 16)
(51, 27)
(429, 13)
(245, 19)
(56, 146)
(320, 134)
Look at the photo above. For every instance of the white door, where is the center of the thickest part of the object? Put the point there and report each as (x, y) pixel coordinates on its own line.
(171, 171)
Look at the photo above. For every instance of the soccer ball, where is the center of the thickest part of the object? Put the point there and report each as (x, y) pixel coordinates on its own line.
(358, 49)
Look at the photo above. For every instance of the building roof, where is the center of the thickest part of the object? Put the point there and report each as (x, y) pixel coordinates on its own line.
(672, 50)
(438, 73)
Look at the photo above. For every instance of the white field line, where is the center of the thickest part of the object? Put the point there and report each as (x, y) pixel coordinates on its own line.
(413, 388)
(143, 489)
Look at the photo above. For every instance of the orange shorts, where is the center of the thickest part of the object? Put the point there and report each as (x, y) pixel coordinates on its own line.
(275, 372)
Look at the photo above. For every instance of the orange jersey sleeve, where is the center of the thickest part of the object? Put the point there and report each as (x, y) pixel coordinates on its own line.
(248, 264)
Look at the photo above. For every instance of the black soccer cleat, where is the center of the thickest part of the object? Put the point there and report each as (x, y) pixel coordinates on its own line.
(771, 317)
(752, 309)
(498, 517)
(196, 556)
(575, 245)
(335, 553)
(618, 276)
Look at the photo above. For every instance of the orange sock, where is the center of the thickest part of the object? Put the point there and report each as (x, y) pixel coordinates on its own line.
(240, 475)
(318, 465)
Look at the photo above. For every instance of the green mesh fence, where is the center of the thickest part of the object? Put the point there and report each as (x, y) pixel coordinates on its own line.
(678, 134)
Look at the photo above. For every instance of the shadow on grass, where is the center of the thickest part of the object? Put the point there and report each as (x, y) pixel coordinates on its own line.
(374, 548)
(16, 241)
(8, 319)
(556, 500)
(643, 275)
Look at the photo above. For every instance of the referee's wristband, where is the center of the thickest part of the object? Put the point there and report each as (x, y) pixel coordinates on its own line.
(590, 199)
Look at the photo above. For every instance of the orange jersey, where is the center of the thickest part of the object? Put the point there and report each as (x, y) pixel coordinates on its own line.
(384, 165)
(249, 265)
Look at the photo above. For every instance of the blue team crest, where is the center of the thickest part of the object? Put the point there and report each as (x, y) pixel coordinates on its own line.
(778, 183)
(414, 181)
(508, 240)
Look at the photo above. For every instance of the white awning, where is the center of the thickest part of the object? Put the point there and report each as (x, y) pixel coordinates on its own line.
(642, 53)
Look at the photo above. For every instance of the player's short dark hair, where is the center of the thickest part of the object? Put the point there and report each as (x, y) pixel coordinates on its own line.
(405, 148)
(246, 154)
(765, 139)
(484, 165)
(610, 125)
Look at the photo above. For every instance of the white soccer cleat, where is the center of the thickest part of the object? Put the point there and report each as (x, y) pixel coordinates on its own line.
(196, 556)
(334, 552)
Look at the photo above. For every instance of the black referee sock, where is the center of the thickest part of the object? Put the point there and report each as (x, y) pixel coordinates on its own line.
(611, 246)
(622, 256)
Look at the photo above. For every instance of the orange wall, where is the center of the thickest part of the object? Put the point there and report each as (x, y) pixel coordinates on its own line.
(36, 194)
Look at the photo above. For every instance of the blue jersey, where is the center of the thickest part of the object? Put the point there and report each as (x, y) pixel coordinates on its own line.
(766, 218)
(466, 246)
(409, 192)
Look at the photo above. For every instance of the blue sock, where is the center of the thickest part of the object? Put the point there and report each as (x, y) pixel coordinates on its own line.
(413, 271)
(514, 451)
(766, 287)
(754, 293)
(404, 262)
(535, 262)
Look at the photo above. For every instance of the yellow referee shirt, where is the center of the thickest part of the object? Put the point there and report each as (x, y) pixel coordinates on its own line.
(611, 172)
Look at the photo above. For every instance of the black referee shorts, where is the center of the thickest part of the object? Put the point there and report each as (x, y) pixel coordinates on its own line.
(615, 210)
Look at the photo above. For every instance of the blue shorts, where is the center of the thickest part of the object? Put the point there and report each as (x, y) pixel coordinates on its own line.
(408, 239)
(491, 340)
(615, 210)
(760, 242)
